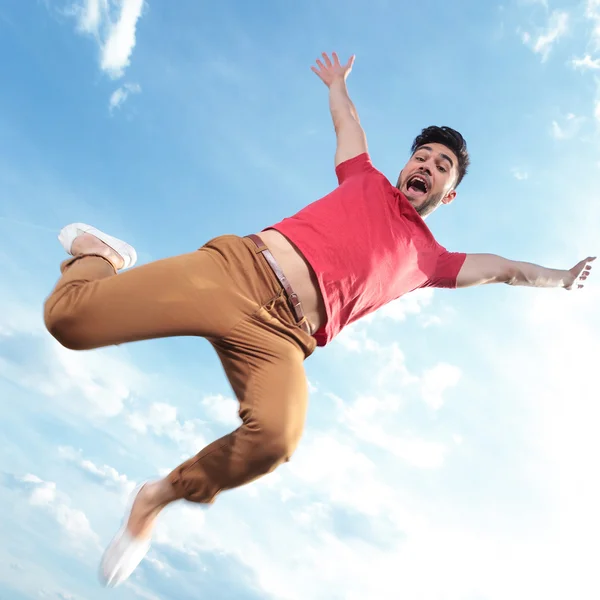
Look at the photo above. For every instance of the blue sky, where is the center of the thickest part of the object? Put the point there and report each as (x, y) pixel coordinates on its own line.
(451, 446)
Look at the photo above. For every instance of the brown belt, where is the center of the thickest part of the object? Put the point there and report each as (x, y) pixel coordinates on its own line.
(295, 303)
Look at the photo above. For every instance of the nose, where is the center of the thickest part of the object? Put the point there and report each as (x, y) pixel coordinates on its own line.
(429, 166)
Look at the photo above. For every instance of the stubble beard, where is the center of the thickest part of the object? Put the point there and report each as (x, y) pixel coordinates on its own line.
(429, 205)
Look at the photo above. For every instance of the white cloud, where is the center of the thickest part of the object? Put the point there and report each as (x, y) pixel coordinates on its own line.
(377, 417)
(392, 372)
(29, 478)
(592, 12)
(520, 174)
(586, 63)
(19, 320)
(557, 27)
(107, 474)
(372, 420)
(97, 384)
(430, 321)
(139, 591)
(567, 127)
(103, 379)
(343, 474)
(222, 409)
(312, 515)
(592, 9)
(113, 25)
(55, 594)
(162, 420)
(436, 381)
(120, 42)
(120, 95)
(44, 492)
(354, 338)
(91, 14)
(73, 521)
(411, 304)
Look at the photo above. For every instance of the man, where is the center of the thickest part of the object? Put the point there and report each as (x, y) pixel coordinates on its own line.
(265, 302)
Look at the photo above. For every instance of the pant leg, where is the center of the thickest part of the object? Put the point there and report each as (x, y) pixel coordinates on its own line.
(227, 293)
(203, 293)
(263, 358)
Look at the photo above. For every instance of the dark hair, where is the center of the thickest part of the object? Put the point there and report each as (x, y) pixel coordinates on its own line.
(451, 139)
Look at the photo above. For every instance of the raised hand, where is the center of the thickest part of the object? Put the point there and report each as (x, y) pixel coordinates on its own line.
(579, 274)
(331, 70)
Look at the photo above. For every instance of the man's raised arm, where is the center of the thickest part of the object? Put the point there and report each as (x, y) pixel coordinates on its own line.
(489, 268)
(351, 139)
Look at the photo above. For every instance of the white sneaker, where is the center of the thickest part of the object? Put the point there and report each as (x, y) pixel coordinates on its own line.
(68, 234)
(123, 554)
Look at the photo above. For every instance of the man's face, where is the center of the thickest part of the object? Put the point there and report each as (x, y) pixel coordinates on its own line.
(429, 177)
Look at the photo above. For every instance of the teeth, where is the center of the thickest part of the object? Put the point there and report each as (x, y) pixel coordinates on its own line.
(419, 178)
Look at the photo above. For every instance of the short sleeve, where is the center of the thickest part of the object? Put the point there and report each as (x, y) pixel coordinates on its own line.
(447, 269)
(354, 166)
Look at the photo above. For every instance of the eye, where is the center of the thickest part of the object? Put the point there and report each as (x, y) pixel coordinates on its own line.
(442, 169)
(419, 159)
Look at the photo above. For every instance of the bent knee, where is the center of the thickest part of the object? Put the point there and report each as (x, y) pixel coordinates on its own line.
(64, 327)
(273, 450)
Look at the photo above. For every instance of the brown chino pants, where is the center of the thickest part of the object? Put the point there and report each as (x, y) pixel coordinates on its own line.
(227, 293)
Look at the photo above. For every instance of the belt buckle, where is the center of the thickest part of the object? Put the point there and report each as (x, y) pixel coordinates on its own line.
(295, 300)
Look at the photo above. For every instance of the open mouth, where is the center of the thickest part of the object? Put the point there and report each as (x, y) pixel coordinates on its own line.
(417, 185)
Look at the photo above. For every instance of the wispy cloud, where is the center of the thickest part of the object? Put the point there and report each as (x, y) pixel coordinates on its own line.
(543, 3)
(74, 522)
(343, 475)
(222, 409)
(411, 304)
(105, 474)
(378, 416)
(520, 174)
(95, 384)
(57, 594)
(558, 23)
(436, 381)
(113, 26)
(586, 63)
(382, 431)
(567, 127)
(162, 420)
(139, 591)
(120, 95)
(592, 13)
(90, 14)
(356, 337)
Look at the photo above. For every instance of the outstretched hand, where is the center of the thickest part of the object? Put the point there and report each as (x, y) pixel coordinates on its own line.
(579, 274)
(329, 71)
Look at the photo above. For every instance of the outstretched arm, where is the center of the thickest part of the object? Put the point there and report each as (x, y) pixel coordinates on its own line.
(351, 139)
(489, 268)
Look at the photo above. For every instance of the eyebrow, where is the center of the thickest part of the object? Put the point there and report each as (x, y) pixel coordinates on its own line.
(445, 156)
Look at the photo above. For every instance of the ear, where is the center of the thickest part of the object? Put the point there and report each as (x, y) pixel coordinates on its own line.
(449, 197)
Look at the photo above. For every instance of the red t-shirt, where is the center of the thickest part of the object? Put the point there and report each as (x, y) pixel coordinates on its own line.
(367, 246)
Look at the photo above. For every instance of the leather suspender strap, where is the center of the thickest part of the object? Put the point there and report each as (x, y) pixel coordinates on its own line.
(295, 303)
